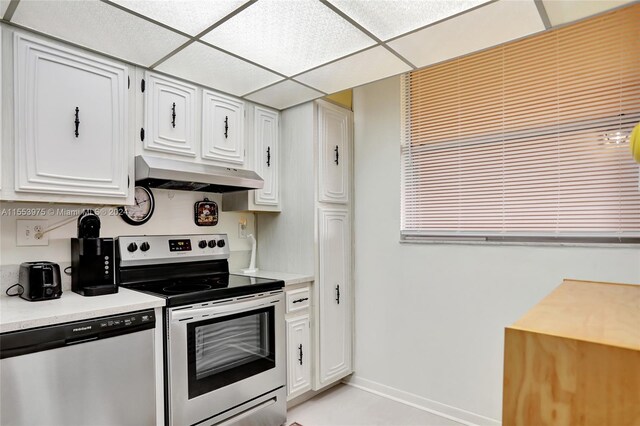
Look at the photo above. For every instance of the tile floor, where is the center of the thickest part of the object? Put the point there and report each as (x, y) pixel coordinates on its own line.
(348, 406)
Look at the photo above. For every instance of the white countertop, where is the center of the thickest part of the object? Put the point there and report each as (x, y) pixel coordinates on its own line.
(288, 278)
(19, 314)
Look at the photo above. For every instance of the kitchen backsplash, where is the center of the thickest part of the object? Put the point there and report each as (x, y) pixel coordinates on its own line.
(173, 215)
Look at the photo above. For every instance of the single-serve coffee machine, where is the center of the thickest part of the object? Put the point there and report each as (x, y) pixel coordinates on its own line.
(92, 259)
(92, 266)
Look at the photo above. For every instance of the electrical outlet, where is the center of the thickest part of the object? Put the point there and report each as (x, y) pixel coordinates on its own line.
(242, 228)
(27, 233)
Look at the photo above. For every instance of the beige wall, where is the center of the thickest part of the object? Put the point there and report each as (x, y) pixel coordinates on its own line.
(173, 215)
(430, 317)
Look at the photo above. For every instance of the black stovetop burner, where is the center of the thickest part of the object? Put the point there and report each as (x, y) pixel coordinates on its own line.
(181, 291)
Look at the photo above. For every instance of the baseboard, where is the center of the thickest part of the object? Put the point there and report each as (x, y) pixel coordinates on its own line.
(308, 395)
(416, 401)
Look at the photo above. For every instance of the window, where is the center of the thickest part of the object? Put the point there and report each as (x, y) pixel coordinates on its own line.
(528, 140)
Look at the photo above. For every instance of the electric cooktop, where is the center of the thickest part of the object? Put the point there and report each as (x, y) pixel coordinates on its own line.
(180, 291)
(184, 269)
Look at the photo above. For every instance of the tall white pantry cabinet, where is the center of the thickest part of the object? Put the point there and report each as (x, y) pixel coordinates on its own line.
(312, 235)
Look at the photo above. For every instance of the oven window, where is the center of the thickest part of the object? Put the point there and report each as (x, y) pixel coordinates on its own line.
(228, 349)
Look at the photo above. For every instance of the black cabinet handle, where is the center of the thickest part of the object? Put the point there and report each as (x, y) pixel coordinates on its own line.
(268, 156)
(173, 115)
(338, 294)
(77, 122)
(337, 161)
(300, 300)
(226, 127)
(300, 357)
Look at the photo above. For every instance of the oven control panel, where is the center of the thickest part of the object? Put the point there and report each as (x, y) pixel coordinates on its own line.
(157, 249)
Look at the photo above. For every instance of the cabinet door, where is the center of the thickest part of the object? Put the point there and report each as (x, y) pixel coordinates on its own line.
(70, 121)
(334, 295)
(334, 144)
(266, 155)
(170, 116)
(222, 128)
(298, 355)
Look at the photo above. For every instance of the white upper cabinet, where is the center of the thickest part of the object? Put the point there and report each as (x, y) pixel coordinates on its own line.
(266, 155)
(70, 121)
(334, 142)
(222, 128)
(170, 116)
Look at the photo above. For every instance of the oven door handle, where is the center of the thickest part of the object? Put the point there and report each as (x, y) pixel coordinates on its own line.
(196, 314)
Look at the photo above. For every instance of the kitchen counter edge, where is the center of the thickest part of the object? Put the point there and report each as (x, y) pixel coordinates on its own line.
(288, 278)
(18, 314)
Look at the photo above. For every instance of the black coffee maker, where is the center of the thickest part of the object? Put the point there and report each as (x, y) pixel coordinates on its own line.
(92, 259)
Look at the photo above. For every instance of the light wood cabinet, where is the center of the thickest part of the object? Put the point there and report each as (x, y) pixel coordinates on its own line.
(222, 128)
(170, 111)
(574, 359)
(334, 149)
(71, 123)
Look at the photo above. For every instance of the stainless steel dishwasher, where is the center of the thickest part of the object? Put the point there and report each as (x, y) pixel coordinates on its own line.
(91, 372)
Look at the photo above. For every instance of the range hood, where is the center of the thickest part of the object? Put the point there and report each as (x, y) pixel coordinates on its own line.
(164, 173)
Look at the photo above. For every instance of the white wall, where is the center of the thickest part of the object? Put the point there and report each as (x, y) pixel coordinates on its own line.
(430, 318)
(173, 215)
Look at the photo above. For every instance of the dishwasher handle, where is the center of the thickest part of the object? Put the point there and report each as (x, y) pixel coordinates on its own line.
(55, 336)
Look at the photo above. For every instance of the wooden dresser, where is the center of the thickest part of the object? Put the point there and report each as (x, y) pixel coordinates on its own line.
(574, 359)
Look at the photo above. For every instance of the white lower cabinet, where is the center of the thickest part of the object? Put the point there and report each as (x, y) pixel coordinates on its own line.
(299, 355)
(334, 300)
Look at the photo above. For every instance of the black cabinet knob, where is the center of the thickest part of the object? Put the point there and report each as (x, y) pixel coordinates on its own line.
(145, 246)
(132, 247)
(202, 243)
(220, 243)
(212, 243)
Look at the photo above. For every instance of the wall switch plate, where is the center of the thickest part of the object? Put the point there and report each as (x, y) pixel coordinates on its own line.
(27, 231)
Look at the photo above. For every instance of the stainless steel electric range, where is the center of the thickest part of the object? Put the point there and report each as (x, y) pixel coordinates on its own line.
(224, 333)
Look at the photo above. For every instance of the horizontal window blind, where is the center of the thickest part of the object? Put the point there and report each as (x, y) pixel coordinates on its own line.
(528, 139)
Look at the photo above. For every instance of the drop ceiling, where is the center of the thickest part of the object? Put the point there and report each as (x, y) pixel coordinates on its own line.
(282, 53)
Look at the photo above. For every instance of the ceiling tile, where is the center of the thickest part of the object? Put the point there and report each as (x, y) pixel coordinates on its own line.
(288, 36)
(561, 12)
(364, 67)
(99, 26)
(188, 16)
(478, 29)
(391, 18)
(4, 4)
(210, 67)
(284, 95)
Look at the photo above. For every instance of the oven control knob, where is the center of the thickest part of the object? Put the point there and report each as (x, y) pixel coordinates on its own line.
(220, 243)
(202, 243)
(132, 247)
(212, 243)
(144, 246)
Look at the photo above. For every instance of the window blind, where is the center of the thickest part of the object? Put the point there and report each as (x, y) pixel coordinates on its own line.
(528, 139)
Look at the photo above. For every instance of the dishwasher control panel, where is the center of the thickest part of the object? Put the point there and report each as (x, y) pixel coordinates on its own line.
(85, 331)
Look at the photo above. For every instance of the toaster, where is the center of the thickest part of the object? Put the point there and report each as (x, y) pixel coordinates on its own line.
(40, 281)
